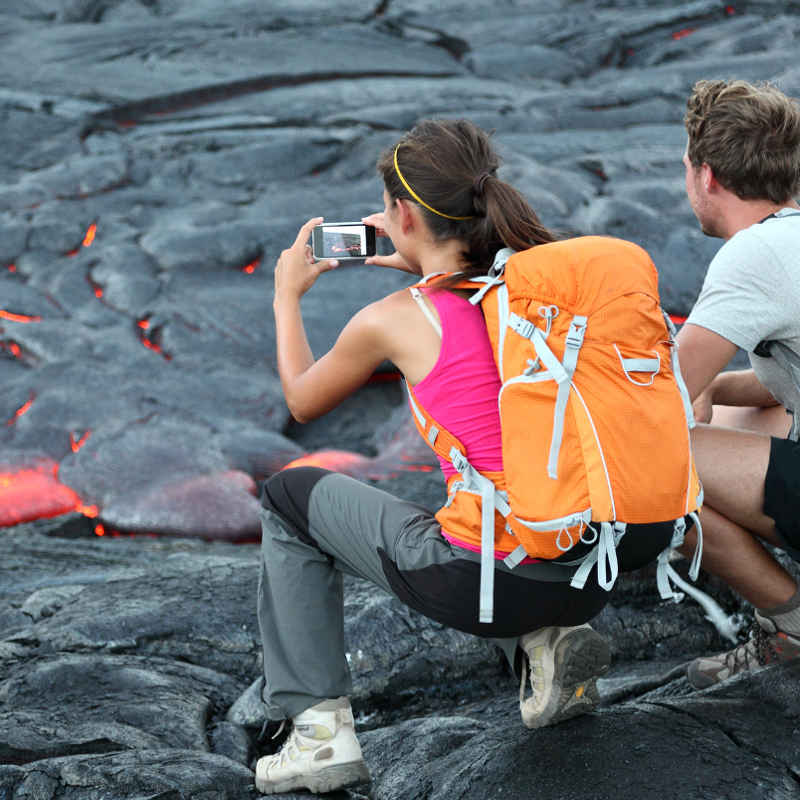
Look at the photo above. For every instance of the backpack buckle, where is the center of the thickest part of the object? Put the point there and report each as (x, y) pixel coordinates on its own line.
(458, 460)
(576, 332)
(524, 327)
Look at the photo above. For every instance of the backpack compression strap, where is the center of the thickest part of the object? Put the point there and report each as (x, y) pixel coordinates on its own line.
(448, 447)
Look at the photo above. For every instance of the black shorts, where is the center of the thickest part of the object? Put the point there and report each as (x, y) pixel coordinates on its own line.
(782, 492)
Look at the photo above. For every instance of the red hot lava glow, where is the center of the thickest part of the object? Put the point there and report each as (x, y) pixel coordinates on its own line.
(33, 493)
(76, 444)
(22, 409)
(90, 234)
(24, 318)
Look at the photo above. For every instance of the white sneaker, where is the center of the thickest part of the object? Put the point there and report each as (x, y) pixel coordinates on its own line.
(565, 664)
(321, 753)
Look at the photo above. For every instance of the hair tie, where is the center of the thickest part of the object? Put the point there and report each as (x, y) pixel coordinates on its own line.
(416, 196)
(479, 183)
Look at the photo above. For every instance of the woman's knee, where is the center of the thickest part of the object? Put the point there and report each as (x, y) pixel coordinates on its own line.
(287, 492)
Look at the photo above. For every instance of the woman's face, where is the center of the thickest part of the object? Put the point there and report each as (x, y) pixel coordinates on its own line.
(391, 221)
(406, 242)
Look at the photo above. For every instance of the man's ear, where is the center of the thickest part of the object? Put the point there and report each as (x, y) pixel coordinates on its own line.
(710, 183)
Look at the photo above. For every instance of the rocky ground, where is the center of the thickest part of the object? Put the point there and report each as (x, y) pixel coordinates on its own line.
(157, 156)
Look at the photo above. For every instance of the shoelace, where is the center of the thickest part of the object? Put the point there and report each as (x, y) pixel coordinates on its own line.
(535, 680)
(291, 750)
(758, 648)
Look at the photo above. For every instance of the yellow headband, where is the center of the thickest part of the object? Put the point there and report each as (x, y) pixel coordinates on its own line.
(415, 195)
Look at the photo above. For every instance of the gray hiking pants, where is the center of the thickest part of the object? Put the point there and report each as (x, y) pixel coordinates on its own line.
(318, 525)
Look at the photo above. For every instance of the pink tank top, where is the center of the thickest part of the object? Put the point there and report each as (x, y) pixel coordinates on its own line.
(461, 390)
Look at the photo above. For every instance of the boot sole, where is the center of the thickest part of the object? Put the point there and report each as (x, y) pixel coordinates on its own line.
(341, 776)
(580, 658)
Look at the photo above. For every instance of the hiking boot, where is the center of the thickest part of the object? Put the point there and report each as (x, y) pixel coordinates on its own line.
(565, 664)
(766, 645)
(321, 753)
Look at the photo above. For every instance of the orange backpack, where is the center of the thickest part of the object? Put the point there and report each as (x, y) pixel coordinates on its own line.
(594, 413)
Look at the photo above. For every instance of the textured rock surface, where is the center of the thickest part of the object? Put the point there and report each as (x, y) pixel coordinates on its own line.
(158, 154)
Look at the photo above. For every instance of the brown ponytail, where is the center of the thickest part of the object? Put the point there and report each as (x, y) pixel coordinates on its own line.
(450, 165)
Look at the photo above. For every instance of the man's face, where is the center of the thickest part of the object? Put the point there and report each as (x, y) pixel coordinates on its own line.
(699, 198)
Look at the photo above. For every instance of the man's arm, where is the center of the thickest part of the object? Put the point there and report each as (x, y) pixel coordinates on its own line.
(703, 354)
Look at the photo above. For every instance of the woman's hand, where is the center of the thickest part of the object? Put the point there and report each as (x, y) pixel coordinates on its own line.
(395, 260)
(296, 271)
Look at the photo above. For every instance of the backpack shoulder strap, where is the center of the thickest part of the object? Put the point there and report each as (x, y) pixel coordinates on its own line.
(423, 304)
(790, 362)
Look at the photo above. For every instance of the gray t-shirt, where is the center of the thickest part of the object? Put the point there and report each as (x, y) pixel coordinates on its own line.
(751, 294)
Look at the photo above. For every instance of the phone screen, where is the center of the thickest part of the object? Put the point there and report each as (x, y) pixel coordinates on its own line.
(343, 240)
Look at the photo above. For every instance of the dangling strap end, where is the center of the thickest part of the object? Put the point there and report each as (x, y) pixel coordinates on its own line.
(515, 557)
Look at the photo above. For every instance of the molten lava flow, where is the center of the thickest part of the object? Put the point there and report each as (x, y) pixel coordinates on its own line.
(76, 444)
(682, 33)
(88, 238)
(144, 324)
(90, 234)
(33, 492)
(12, 347)
(22, 409)
(337, 460)
(251, 267)
(677, 319)
(18, 317)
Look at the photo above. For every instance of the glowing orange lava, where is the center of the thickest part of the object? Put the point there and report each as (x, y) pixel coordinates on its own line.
(22, 409)
(33, 493)
(251, 267)
(329, 459)
(90, 234)
(677, 319)
(76, 444)
(18, 317)
(682, 33)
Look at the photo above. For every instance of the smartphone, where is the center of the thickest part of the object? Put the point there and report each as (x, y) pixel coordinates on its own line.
(343, 240)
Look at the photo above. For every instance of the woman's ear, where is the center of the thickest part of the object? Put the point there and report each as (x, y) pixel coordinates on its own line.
(406, 215)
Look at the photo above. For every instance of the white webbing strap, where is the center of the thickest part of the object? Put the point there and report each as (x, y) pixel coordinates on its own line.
(473, 479)
(415, 408)
(676, 371)
(561, 371)
(515, 557)
(488, 283)
(694, 567)
(499, 263)
(604, 554)
(665, 574)
(418, 296)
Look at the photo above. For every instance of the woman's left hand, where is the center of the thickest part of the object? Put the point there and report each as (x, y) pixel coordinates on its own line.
(296, 271)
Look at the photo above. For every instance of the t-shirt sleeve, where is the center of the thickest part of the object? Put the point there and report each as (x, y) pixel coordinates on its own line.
(738, 299)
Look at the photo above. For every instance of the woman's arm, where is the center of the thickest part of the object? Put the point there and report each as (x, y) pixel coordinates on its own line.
(312, 388)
